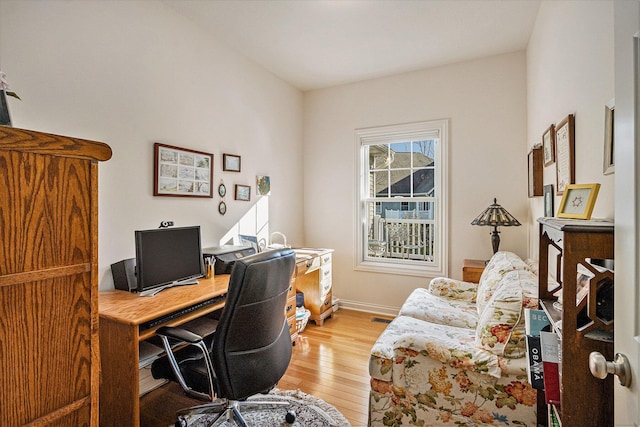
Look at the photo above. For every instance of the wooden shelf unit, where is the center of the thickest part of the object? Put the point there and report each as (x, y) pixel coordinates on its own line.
(585, 400)
(49, 355)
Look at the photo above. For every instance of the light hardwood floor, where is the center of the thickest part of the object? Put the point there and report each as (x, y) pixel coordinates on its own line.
(329, 362)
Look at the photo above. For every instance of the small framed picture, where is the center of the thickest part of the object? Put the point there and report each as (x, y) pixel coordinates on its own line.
(548, 200)
(243, 192)
(222, 190)
(263, 185)
(578, 201)
(222, 208)
(565, 154)
(230, 163)
(549, 146)
(182, 172)
(609, 110)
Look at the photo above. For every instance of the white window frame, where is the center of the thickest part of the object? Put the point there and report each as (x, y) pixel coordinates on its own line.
(401, 133)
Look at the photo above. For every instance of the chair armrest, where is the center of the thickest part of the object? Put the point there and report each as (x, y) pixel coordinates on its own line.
(454, 289)
(191, 339)
(179, 334)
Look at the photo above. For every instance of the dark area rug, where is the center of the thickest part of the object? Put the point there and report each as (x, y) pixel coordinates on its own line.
(310, 412)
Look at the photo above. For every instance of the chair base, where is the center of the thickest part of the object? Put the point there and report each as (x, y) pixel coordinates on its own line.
(228, 410)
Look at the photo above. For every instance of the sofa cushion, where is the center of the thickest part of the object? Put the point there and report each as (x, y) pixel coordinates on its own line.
(453, 289)
(448, 345)
(423, 305)
(501, 326)
(501, 263)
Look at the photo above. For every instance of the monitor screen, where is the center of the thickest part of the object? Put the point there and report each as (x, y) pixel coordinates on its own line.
(166, 256)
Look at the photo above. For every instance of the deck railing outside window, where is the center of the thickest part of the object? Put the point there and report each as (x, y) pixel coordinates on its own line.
(406, 239)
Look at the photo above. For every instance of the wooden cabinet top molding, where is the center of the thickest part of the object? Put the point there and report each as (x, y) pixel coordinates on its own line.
(23, 140)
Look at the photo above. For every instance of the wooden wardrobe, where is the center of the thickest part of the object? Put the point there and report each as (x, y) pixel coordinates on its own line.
(49, 352)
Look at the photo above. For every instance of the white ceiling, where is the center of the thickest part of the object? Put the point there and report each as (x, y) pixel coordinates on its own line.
(320, 43)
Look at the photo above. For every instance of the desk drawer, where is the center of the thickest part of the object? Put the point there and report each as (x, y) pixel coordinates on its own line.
(307, 266)
(325, 259)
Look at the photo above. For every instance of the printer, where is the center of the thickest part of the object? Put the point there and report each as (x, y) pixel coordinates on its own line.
(226, 255)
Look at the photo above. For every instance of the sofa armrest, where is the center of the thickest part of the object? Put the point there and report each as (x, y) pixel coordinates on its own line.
(453, 289)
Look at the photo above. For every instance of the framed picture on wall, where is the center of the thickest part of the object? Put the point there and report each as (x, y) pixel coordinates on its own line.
(565, 154)
(230, 163)
(181, 172)
(609, 110)
(549, 145)
(243, 192)
(548, 200)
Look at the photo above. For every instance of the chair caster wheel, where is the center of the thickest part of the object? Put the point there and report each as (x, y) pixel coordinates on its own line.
(290, 417)
(181, 422)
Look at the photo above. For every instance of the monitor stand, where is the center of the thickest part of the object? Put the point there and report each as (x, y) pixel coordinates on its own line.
(155, 291)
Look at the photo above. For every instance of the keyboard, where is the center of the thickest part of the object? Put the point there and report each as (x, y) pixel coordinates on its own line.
(174, 315)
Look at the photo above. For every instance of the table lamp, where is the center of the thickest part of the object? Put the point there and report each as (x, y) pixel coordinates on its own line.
(494, 216)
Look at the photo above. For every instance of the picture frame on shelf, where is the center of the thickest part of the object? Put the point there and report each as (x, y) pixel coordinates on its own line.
(608, 166)
(565, 154)
(578, 201)
(549, 146)
(243, 192)
(548, 200)
(182, 172)
(230, 163)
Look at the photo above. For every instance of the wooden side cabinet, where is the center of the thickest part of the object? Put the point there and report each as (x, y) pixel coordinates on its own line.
(568, 247)
(472, 270)
(49, 355)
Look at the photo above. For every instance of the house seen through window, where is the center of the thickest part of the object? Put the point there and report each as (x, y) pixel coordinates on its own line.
(401, 198)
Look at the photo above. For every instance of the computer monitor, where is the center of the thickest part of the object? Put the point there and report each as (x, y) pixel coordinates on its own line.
(167, 257)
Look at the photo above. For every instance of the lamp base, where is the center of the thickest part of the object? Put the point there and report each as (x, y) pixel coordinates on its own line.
(495, 239)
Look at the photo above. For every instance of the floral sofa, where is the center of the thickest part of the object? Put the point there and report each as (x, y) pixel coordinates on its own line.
(455, 355)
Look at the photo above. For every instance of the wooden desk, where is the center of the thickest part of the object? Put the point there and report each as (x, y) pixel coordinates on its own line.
(121, 316)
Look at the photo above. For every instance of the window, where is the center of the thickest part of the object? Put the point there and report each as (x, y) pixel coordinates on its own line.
(401, 198)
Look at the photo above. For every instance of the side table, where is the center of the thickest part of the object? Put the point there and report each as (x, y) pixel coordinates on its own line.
(472, 270)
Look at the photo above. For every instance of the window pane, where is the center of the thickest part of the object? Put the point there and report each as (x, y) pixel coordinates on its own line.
(379, 184)
(423, 184)
(423, 153)
(401, 230)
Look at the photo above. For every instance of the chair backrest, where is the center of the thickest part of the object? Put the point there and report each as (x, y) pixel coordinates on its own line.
(252, 346)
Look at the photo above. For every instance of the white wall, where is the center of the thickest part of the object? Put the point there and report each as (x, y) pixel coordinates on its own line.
(485, 103)
(134, 73)
(570, 70)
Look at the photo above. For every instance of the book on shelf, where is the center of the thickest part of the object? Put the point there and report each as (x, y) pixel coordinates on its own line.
(535, 321)
(550, 346)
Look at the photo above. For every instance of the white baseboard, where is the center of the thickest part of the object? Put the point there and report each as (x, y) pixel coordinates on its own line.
(369, 308)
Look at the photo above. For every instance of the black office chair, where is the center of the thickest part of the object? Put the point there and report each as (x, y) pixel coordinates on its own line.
(250, 349)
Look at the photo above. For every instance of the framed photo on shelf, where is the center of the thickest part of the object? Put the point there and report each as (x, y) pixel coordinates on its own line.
(182, 172)
(578, 201)
(548, 200)
(609, 110)
(243, 192)
(230, 163)
(565, 154)
(549, 145)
